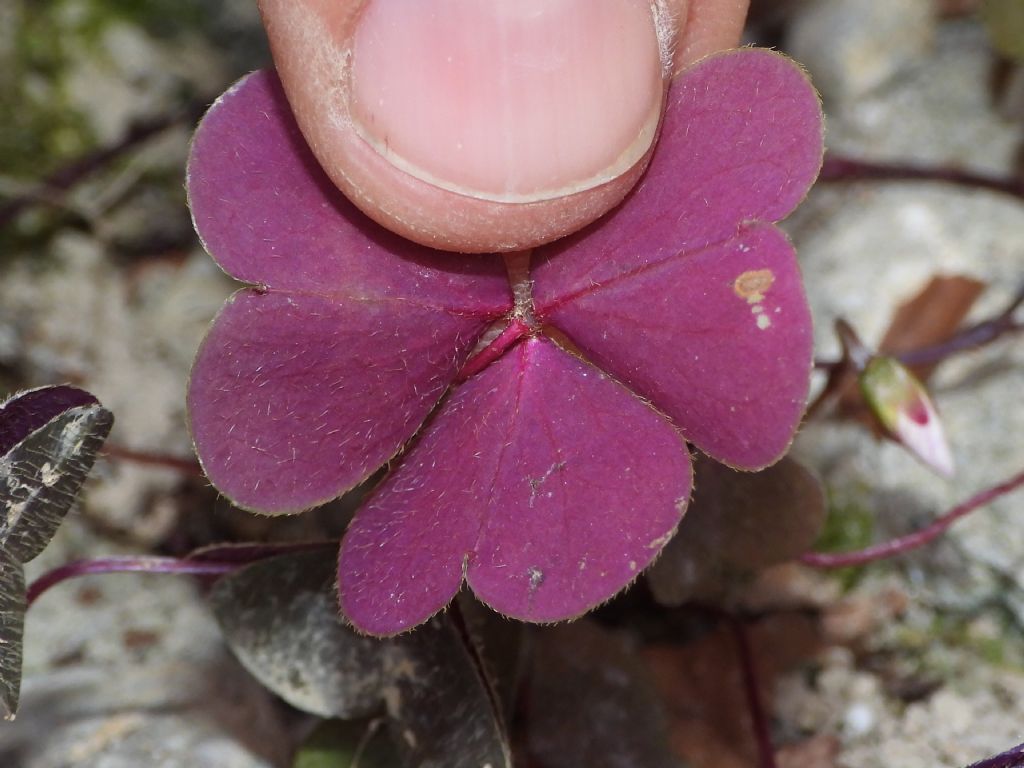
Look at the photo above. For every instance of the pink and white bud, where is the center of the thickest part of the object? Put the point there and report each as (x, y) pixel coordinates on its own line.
(903, 407)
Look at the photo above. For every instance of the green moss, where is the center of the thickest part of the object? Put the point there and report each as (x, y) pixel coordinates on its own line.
(1005, 22)
(41, 131)
(1002, 648)
(164, 19)
(848, 526)
(952, 644)
(345, 744)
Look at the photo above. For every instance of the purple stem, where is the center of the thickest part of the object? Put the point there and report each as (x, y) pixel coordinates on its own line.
(971, 337)
(214, 560)
(765, 748)
(126, 564)
(516, 330)
(911, 541)
(846, 169)
(1013, 758)
(189, 467)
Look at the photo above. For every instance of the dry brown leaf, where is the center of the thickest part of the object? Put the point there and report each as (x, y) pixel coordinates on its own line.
(931, 316)
(817, 752)
(856, 616)
(953, 8)
(702, 685)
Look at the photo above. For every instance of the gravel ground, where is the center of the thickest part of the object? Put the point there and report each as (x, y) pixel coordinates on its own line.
(107, 288)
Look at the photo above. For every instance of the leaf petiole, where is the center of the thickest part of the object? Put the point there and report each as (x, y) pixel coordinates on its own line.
(126, 564)
(516, 330)
(903, 544)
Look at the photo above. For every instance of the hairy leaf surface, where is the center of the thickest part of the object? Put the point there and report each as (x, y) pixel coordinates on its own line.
(52, 436)
(680, 292)
(547, 480)
(544, 483)
(312, 381)
(49, 439)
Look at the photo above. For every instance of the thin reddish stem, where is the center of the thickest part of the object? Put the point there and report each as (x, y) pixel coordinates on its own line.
(762, 733)
(911, 541)
(126, 564)
(847, 169)
(515, 331)
(214, 560)
(969, 338)
(166, 461)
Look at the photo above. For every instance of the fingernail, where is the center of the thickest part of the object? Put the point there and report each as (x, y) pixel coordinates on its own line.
(508, 100)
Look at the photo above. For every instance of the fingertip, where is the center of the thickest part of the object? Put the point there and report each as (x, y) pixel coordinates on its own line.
(707, 26)
(484, 126)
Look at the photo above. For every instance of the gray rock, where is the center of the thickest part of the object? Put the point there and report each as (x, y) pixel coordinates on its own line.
(853, 47)
(172, 715)
(127, 337)
(868, 247)
(130, 670)
(865, 248)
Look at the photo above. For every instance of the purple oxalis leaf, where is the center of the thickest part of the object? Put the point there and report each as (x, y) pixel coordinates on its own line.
(543, 482)
(307, 385)
(26, 412)
(677, 292)
(269, 216)
(49, 440)
(720, 340)
(297, 397)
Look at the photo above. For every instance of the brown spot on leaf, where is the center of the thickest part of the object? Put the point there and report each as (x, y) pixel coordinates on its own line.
(753, 284)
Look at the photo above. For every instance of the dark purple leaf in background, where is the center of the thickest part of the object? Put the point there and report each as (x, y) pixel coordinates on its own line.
(53, 434)
(280, 618)
(738, 524)
(502, 646)
(677, 293)
(12, 631)
(304, 388)
(590, 702)
(49, 438)
(543, 482)
(28, 411)
(442, 710)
